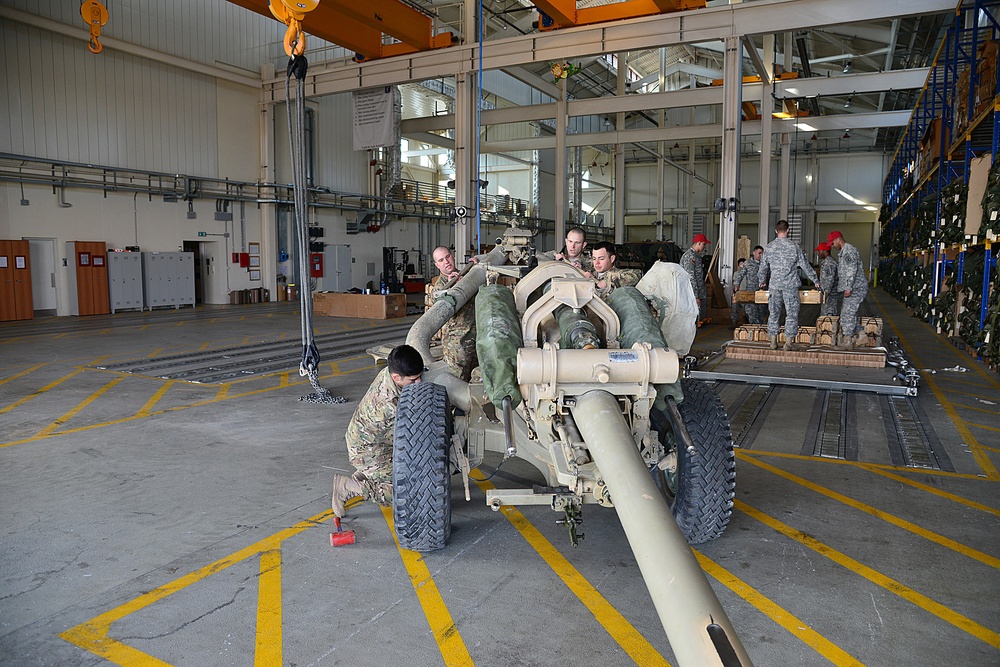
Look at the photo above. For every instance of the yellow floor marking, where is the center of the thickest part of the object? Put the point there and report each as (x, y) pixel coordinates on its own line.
(988, 428)
(123, 420)
(284, 380)
(154, 399)
(62, 335)
(797, 627)
(335, 368)
(144, 327)
(884, 516)
(181, 323)
(936, 491)
(80, 406)
(22, 373)
(982, 459)
(39, 392)
(972, 383)
(204, 346)
(624, 633)
(944, 613)
(269, 649)
(223, 392)
(964, 393)
(103, 331)
(154, 353)
(447, 636)
(972, 407)
(246, 341)
(92, 635)
(855, 464)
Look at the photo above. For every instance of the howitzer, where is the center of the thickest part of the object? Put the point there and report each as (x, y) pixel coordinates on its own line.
(587, 391)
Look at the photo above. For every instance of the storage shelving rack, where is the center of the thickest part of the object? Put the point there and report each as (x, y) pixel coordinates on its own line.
(950, 126)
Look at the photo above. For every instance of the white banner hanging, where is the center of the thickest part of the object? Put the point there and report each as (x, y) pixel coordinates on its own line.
(372, 117)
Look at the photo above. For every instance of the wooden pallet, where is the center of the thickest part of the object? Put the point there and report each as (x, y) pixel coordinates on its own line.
(813, 355)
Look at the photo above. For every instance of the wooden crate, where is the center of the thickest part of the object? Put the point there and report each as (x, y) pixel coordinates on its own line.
(746, 296)
(854, 358)
(872, 325)
(805, 296)
(828, 324)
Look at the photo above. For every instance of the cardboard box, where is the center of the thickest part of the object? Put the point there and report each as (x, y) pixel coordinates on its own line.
(366, 306)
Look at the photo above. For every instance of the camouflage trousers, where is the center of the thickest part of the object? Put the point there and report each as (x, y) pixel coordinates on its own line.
(829, 305)
(374, 471)
(790, 299)
(459, 346)
(849, 312)
(752, 311)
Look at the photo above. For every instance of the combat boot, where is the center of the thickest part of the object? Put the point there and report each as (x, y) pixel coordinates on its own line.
(861, 339)
(772, 342)
(789, 345)
(344, 488)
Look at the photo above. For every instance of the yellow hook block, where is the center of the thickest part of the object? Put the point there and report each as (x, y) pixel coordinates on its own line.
(291, 13)
(94, 15)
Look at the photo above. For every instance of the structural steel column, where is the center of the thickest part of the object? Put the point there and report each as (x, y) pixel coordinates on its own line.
(732, 114)
(661, 147)
(268, 211)
(766, 108)
(466, 162)
(561, 177)
(620, 189)
(783, 192)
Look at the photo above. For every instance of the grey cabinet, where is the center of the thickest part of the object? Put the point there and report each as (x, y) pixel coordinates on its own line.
(168, 279)
(125, 280)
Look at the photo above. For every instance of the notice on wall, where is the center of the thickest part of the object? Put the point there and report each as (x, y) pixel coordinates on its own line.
(372, 117)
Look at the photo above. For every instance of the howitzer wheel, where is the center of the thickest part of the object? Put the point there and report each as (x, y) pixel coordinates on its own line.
(701, 491)
(421, 475)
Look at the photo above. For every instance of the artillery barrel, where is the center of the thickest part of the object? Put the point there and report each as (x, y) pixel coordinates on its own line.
(696, 625)
(450, 303)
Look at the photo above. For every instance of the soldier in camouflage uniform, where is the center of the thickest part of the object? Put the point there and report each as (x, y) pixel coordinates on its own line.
(572, 252)
(755, 311)
(781, 262)
(737, 279)
(852, 281)
(608, 276)
(691, 262)
(458, 335)
(369, 435)
(827, 280)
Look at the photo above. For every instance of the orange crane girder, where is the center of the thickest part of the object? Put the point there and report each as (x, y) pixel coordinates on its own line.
(359, 27)
(564, 13)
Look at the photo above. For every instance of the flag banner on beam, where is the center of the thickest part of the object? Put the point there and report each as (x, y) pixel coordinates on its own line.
(372, 117)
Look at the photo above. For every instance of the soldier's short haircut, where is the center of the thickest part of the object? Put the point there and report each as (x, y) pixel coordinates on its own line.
(758, 247)
(605, 245)
(782, 226)
(405, 361)
(578, 230)
(741, 261)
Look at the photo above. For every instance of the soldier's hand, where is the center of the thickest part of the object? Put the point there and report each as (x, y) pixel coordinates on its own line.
(847, 292)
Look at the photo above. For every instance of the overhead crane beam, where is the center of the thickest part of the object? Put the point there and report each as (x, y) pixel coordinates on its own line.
(564, 13)
(359, 27)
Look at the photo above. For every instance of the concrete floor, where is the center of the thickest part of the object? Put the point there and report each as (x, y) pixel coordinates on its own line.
(156, 521)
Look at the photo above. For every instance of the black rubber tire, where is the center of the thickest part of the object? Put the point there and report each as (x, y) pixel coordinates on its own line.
(701, 495)
(421, 474)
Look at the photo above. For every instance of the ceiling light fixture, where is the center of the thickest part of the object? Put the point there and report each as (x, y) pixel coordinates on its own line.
(847, 134)
(848, 66)
(849, 102)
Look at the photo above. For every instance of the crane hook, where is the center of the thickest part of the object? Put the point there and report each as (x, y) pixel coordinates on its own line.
(94, 15)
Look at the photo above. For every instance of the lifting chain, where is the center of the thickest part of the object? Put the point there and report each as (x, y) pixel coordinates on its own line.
(94, 15)
(291, 13)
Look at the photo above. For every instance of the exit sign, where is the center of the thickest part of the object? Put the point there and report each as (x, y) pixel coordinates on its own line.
(202, 233)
